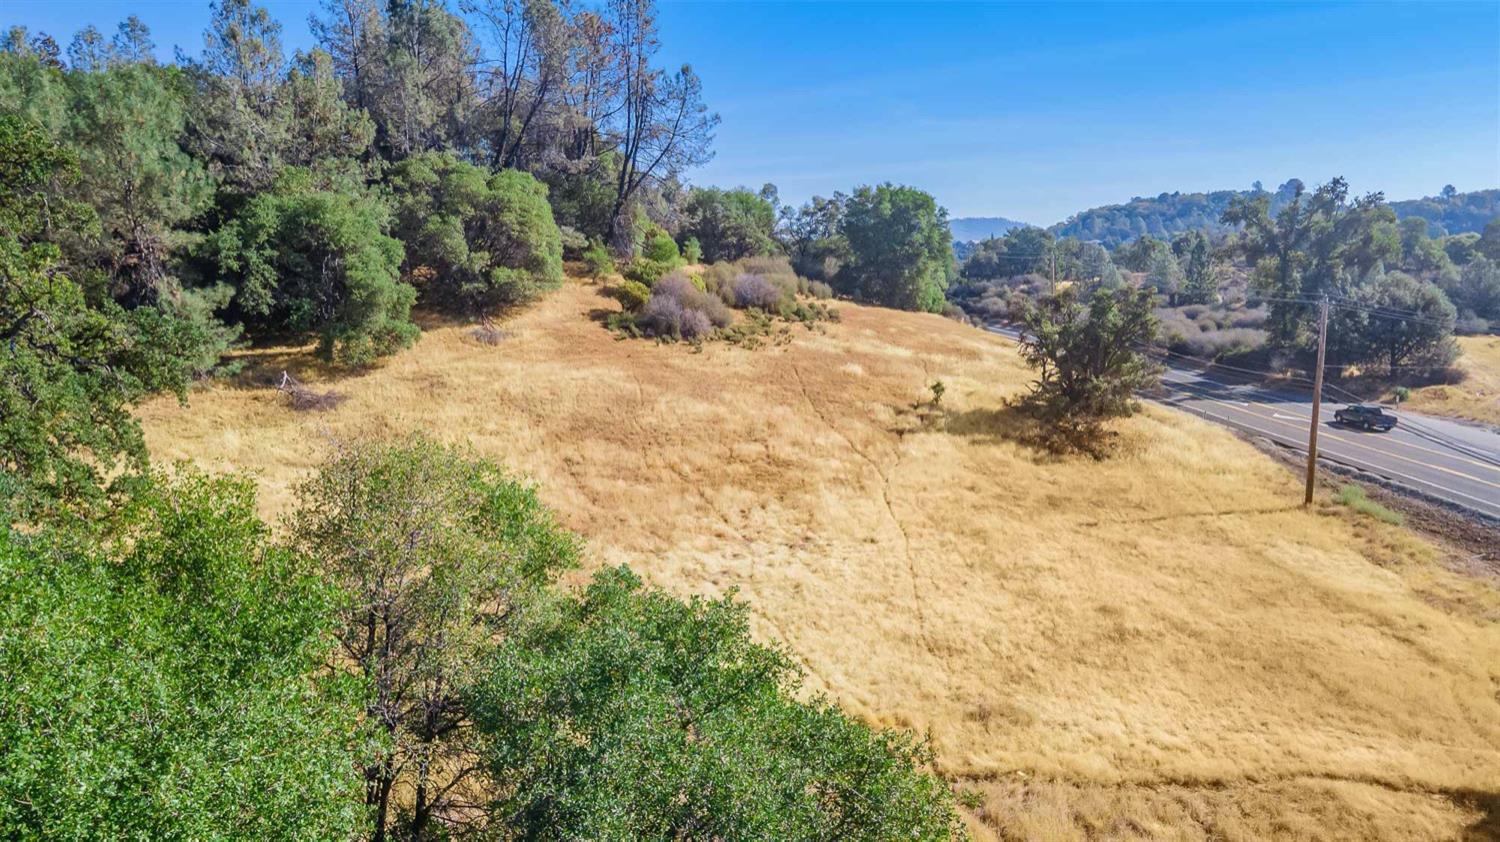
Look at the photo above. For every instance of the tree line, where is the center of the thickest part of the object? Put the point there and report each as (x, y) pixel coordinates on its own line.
(1398, 292)
(1168, 215)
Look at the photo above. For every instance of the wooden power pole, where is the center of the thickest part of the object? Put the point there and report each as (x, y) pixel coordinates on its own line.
(1312, 432)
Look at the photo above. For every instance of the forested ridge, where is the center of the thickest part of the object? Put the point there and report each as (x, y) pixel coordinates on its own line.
(1169, 214)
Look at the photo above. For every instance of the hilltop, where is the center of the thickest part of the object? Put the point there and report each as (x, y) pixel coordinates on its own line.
(1159, 645)
(1169, 214)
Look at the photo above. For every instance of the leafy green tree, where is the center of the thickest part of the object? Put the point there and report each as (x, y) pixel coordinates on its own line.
(124, 125)
(1489, 240)
(166, 682)
(307, 260)
(1094, 266)
(240, 120)
(435, 553)
(629, 714)
(692, 250)
(1164, 274)
(489, 239)
(1315, 245)
(1089, 363)
(1200, 283)
(730, 224)
(900, 252)
(811, 237)
(89, 52)
(1138, 254)
(70, 369)
(132, 43)
(423, 95)
(1478, 290)
(1377, 331)
(323, 132)
(1461, 248)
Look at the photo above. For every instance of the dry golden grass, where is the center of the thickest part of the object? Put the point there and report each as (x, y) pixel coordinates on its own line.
(1477, 397)
(1163, 645)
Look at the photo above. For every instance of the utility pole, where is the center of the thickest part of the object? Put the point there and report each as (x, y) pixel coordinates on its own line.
(1312, 432)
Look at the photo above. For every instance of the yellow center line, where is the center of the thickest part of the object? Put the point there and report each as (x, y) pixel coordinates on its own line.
(1353, 443)
(1408, 477)
(1399, 442)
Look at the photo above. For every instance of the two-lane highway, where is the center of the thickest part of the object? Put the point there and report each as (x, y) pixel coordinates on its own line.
(1457, 463)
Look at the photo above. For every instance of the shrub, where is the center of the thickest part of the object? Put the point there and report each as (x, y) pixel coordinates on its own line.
(718, 279)
(1248, 317)
(692, 251)
(661, 248)
(632, 295)
(679, 310)
(818, 289)
(573, 241)
(1088, 362)
(597, 261)
(491, 237)
(755, 291)
(646, 271)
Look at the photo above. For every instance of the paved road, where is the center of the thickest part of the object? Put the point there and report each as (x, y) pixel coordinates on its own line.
(1455, 462)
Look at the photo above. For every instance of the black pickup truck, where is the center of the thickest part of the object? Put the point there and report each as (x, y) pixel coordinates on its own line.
(1365, 417)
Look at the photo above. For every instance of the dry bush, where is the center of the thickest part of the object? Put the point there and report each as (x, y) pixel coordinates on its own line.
(489, 333)
(303, 399)
(679, 310)
(1201, 330)
(757, 292)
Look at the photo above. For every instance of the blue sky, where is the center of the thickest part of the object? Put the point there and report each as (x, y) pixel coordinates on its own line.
(1038, 110)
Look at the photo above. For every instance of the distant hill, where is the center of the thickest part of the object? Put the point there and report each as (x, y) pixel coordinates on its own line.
(972, 229)
(1170, 214)
(1163, 217)
(1454, 213)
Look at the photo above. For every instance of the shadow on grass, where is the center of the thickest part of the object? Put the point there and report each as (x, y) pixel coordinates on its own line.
(1014, 423)
(1207, 513)
(1487, 804)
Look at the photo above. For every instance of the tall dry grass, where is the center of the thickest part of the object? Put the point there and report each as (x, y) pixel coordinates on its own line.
(1477, 396)
(1163, 645)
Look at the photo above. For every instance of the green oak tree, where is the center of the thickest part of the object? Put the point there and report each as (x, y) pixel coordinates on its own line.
(900, 251)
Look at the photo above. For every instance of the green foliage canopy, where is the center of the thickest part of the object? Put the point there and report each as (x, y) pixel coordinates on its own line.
(730, 224)
(900, 252)
(629, 714)
(166, 684)
(308, 260)
(489, 240)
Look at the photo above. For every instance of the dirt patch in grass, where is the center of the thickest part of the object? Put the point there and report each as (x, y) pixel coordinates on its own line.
(1166, 639)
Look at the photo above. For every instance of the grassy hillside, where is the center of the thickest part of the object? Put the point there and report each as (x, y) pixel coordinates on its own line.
(1477, 397)
(1160, 646)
